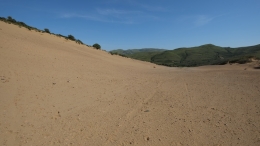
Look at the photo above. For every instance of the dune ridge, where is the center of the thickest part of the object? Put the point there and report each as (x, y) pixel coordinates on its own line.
(57, 92)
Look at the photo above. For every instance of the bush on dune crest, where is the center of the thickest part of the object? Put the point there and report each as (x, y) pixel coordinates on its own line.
(10, 20)
(71, 37)
(47, 30)
(79, 41)
(97, 46)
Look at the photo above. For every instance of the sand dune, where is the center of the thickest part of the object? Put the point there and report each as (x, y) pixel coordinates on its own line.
(57, 92)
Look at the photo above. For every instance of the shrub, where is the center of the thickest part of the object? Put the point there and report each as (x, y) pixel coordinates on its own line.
(113, 53)
(123, 55)
(47, 30)
(97, 46)
(61, 35)
(71, 37)
(22, 24)
(9, 18)
(2, 18)
(79, 41)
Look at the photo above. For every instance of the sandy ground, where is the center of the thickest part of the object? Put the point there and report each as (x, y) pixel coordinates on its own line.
(57, 92)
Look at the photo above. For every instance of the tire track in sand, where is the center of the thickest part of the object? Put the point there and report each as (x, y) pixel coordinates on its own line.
(191, 107)
(124, 122)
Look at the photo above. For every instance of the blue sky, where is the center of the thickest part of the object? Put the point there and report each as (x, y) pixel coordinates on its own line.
(132, 24)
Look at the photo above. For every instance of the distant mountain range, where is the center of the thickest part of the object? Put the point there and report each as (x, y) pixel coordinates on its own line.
(208, 54)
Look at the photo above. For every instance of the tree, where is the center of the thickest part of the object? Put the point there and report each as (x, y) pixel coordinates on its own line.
(71, 37)
(47, 30)
(97, 46)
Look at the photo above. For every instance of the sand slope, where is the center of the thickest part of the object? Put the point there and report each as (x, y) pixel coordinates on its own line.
(57, 92)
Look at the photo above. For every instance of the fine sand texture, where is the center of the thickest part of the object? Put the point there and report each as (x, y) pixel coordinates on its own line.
(56, 92)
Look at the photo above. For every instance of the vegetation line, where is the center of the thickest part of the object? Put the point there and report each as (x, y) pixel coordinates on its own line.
(10, 20)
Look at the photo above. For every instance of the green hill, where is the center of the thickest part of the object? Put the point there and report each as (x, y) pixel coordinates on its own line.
(195, 56)
(206, 55)
(140, 54)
